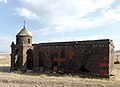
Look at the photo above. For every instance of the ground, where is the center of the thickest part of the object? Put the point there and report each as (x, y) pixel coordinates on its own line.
(18, 79)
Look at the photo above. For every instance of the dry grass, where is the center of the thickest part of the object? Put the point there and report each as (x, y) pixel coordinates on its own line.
(116, 72)
(63, 77)
(4, 60)
(4, 63)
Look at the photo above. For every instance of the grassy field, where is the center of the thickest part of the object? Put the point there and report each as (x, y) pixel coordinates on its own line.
(4, 62)
(18, 79)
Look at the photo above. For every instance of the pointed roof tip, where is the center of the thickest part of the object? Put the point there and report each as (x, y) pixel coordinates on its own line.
(24, 32)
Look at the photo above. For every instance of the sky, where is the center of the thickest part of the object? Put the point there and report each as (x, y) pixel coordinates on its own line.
(60, 20)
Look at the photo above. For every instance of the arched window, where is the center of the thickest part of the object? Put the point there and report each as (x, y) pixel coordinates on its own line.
(29, 41)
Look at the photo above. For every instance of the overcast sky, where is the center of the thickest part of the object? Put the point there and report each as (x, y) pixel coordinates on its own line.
(60, 20)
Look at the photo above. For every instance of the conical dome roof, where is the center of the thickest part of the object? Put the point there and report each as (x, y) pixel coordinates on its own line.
(24, 32)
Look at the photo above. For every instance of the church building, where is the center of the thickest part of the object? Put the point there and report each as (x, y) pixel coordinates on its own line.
(91, 56)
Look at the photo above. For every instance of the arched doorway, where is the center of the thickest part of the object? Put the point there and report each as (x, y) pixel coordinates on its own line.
(30, 59)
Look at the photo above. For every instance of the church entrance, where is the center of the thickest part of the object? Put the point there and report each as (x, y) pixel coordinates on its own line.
(29, 59)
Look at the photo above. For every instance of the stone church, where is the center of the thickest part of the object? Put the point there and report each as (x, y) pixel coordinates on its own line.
(92, 56)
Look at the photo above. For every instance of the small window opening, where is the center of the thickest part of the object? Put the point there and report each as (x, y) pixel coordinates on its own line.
(28, 40)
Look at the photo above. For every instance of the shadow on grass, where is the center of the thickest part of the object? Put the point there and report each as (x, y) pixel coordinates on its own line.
(72, 75)
(43, 74)
(4, 68)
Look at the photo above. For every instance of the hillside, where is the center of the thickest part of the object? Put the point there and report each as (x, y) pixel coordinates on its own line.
(4, 59)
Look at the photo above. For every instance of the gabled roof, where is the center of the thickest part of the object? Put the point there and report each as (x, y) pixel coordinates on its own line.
(23, 32)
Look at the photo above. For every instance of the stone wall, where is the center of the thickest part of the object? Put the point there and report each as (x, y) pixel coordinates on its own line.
(94, 56)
